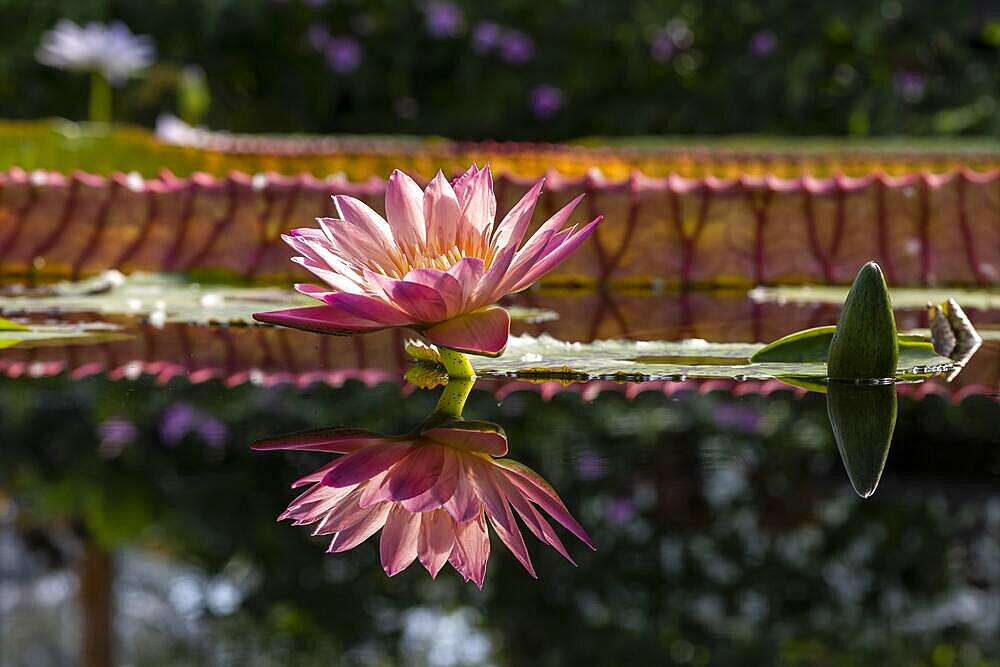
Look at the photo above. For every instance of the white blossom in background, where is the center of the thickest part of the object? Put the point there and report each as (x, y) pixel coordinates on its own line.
(112, 51)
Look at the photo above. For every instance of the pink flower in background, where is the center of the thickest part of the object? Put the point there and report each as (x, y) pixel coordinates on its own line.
(436, 264)
(432, 495)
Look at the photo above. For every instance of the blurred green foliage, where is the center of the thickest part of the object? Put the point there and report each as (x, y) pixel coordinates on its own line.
(617, 68)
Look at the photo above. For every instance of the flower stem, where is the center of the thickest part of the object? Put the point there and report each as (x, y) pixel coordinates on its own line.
(452, 400)
(456, 363)
(100, 99)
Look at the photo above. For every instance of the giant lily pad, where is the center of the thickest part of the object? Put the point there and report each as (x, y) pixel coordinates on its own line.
(902, 297)
(546, 358)
(166, 298)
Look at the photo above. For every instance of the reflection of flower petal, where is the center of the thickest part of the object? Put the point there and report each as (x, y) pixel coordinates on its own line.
(436, 540)
(432, 495)
(398, 547)
(366, 463)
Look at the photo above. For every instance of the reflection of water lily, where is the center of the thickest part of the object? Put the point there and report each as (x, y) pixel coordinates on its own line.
(436, 264)
(432, 494)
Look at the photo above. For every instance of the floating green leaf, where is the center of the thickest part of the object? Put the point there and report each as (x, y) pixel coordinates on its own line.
(60, 335)
(813, 345)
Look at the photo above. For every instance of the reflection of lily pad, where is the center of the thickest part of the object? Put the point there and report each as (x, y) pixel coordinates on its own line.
(545, 358)
(169, 298)
(902, 297)
(59, 335)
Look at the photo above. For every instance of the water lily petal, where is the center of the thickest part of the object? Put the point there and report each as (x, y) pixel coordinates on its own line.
(512, 538)
(398, 547)
(370, 308)
(416, 473)
(463, 504)
(511, 229)
(556, 256)
(404, 208)
(535, 522)
(463, 185)
(420, 302)
(339, 440)
(343, 513)
(480, 209)
(472, 550)
(482, 332)
(361, 531)
(469, 435)
(316, 476)
(468, 271)
(365, 463)
(319, 319)
(357, 212)
(314, 291)
(447, 287)
(487, 292)
(441, 213)
(435, 541)
(442, 490)
(538, 491)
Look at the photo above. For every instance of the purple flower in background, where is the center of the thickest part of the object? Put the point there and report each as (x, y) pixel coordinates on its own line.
(910, 85)
(662, 48)
(181, 419)
(516, 47)
(737, 417)
(213, 431)
(762, 43)
(317, 36)
(110, 50)
(177, 421)
(620, 510)
(115, 434)
(117, 431)
(343, 54)
(590, 466)
(486, 36)
(443, 19)
(545, 100)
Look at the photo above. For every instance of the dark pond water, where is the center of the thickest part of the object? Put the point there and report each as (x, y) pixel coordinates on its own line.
(727, 527)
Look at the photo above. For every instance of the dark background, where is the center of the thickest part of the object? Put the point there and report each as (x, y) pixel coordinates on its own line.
(522, 69)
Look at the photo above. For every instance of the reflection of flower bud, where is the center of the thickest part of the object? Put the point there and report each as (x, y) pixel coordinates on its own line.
(432, 494)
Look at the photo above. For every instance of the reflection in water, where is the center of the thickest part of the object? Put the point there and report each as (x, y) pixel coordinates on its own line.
(863, 417)
(431, 492)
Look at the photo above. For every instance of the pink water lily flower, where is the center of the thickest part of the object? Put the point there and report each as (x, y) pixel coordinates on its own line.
(431, 494)
(436, 263)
